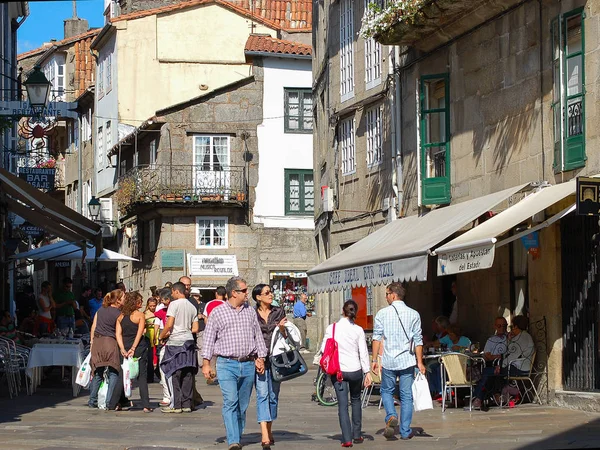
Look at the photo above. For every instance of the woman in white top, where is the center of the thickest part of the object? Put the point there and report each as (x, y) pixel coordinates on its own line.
(354, 362)
(44, 322)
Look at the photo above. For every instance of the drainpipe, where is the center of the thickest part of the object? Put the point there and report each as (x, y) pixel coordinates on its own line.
(541, 24)
(396, 109)
(79, 167)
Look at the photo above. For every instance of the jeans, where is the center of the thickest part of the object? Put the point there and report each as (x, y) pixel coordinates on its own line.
(236, 380)
(113, 378)
(484, 384)
(351, 384)
(63, 322)
(388, 384)
(267, 396)
(435, 378)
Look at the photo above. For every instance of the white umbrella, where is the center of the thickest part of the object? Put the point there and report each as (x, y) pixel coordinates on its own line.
(63, 250)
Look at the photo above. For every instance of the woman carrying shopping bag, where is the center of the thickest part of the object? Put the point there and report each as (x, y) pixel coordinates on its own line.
(354, 364)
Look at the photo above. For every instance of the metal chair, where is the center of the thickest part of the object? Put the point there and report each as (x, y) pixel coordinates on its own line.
(455, 365)
(521, 380)
(376, 377)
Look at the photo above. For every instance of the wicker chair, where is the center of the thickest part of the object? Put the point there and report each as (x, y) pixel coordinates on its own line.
(455, 365)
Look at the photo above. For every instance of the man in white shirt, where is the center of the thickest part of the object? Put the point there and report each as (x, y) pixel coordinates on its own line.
(400, 328)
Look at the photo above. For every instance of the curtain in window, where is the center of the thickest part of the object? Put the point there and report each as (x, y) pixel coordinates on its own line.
(307, 119)
(294, 192)
(309, 193)
(203, 232)
(202, 152)
(219, 233)
(293, 110)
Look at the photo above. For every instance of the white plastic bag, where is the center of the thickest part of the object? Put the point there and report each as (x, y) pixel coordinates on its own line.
(134, 368)
(421, 395)
(126, 377)
(84, 375)
(102, 393)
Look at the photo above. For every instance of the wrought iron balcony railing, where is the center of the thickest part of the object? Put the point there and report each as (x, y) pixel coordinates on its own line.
(193, 183)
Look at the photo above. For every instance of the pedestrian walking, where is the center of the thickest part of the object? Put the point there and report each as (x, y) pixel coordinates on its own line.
(187, 281)
(354, 364)
(233, 334)
(161, 316)
(300, 315)
(399, 327)
(104, 347)
(179, 359)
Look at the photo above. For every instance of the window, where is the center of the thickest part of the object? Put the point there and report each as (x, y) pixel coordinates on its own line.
(374, 150)
(435, 139)
(54, 71)
(346, 138)
(298, 111)
(86, 126)
(211, 152)
(153, 149)
(101, 78)
(151, 235)
(100, 147)
(211, 232)
(109, 72)
(372, 55)
(346, 50)
(299, 192)
(108, 138)
(568, 100)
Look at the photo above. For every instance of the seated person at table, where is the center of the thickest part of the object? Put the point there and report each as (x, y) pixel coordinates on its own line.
(519, 357)
(7, 327)
(439, 326)
(496, 345)
(453, 341)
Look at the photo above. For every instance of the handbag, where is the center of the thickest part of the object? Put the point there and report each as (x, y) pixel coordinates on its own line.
(84, 375)
(411, 341)
(330, 361)
(287, 365)
(421, 395)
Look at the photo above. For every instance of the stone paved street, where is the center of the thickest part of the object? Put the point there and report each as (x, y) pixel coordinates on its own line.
(51, 420)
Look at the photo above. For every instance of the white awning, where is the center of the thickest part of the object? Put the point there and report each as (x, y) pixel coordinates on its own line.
(475, 249)
(62, 250)
(399, 250)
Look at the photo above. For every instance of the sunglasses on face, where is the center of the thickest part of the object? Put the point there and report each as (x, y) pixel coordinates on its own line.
(266, 293)
(243, 291)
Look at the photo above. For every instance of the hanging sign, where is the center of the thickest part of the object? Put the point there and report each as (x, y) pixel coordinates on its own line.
(467, 260)
(31, 230)
(588, 196)
(38, 178)
(213, 265)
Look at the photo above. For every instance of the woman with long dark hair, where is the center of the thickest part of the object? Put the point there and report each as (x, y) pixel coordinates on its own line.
(105, 351)
(354, 363)
(270, 318)
(132, 343)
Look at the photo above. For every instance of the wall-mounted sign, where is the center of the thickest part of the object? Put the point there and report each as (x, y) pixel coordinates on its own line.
(63, 264)
(172, 259)
(466, 260)
(213, 265)
(38, 178)
(588, 196)
(532, 240)
(31, 230)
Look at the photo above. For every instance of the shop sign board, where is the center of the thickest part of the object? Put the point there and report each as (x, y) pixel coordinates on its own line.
(37, 177)
(466, 260)
(63, 264)
(213, 265)
(31, 230)
(172, 259)
(588, 196)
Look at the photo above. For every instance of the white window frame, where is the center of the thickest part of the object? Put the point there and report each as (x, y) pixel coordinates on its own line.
(108, 132)
(101, 78)
(52, 70)
(153, 151)
(374, 137)
(108, 71)
(346, 50)
(212, 220)
(372, 63)
(348, 147)
(100, 146)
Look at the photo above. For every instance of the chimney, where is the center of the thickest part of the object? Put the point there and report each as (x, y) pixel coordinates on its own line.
(75, 25)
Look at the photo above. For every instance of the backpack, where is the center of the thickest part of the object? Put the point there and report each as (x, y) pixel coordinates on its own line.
(330, 361)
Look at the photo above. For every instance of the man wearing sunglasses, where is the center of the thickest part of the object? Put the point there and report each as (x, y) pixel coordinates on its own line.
(233, 334)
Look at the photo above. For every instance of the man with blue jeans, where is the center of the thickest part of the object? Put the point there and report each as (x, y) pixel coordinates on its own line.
(397, 326)
(233, 334)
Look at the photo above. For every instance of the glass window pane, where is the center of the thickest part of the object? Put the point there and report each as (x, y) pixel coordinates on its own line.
(435, 163)
(309, 193)
(574, 72)
(203, 232)
(220, 157)
(435, 131)
(557, 122)
(202, 153)
(574, 117)
(574, 35)
(294, 192)
(556, 76)
(307, 111)
(435, 94)
(219, 233)
(555, 40)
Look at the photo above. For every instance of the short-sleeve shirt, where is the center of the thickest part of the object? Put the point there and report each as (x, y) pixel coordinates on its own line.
(185, 315)
(496, 345)
(464, 342)
(61, 297)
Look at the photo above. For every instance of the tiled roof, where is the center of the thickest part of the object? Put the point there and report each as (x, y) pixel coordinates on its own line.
(294, 15)
(268, 44)
(71, 40)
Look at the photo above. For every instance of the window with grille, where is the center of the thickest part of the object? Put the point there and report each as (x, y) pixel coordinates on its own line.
(108, 138)
(299, 192)
(298, 111)
(374, 146)
(211, 232)
(348, 150)
(100, 147)
(346, 50)
(568, 96)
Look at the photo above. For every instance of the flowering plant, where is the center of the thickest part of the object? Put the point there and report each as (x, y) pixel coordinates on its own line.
(48, 164)
(377, 20)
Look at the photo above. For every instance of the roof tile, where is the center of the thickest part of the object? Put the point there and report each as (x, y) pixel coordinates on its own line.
(71, 40)
(268, 44)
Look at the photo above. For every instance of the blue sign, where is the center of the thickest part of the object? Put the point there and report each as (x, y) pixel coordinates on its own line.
(532, 240)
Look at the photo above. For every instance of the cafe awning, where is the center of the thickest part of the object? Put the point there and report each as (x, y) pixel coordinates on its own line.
(475, 249)
(62, 251)
(45, 212)
(399, 250)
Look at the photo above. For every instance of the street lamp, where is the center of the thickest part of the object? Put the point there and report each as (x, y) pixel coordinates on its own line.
(94, 208)
(38, 89)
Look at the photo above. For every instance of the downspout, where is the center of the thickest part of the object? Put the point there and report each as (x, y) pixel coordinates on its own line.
(94, 128)
(541, 24)
(79, 167)
(396, 109)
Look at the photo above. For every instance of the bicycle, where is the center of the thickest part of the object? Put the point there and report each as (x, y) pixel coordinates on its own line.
(325, 391)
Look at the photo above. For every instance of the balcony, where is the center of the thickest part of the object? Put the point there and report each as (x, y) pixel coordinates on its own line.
(182, 184)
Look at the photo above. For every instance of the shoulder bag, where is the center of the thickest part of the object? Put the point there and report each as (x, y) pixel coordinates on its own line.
(330, 361)
(411, 341)
(287, 365)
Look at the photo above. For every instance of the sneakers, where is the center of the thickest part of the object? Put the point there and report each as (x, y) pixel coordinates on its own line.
(390, 427)
(165, 402)
(303, 350)
(186, 410)
(171, 410)
(476, 404)
(235, 447)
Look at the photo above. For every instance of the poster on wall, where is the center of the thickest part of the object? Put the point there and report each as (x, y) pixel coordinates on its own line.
(466, 260)
(213, 265)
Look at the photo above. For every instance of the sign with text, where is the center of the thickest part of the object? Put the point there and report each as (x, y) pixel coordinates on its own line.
(213, 265)
(588, 196)
(31, 230)
(172, 259)
(466, 260)
(38, 178)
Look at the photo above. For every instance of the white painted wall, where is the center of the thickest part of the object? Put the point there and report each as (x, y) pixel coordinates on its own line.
(278, 150)
(107, 109)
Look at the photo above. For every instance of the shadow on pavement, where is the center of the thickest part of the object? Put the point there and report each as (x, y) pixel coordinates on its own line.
(282, 437)
(583, 436)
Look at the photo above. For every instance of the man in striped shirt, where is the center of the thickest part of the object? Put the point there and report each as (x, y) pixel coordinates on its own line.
(399, 327)
(233, 334)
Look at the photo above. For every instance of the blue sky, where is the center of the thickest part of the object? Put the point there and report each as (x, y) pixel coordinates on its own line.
(45, 21)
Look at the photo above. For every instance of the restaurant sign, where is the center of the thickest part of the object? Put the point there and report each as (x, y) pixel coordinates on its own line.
(466, 260)
(38, 178)
(31, 230)
(213, 265)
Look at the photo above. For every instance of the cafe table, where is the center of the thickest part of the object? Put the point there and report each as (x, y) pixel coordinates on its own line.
(55, 352)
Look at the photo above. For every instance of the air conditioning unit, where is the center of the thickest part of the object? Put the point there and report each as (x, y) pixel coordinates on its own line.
(327, 198)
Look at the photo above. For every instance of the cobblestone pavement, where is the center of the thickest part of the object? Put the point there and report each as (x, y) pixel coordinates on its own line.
(50, 420)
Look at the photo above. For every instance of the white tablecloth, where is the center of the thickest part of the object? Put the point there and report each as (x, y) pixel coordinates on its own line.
(63, 354)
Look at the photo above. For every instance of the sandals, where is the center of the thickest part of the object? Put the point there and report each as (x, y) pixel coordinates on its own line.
(148, 410)
(266, 445)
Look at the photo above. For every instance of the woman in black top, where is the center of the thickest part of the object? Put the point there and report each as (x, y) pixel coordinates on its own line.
(132, 343)
(267, 391)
